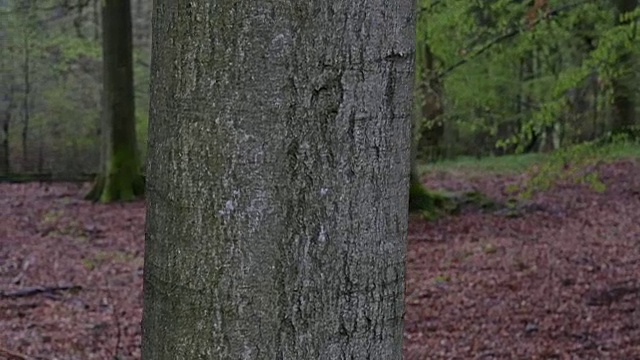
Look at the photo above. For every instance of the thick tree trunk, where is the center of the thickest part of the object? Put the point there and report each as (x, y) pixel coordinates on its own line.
(278, 176)
(121, 178)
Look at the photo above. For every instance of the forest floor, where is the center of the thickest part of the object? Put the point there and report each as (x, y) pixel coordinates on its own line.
(555, 278)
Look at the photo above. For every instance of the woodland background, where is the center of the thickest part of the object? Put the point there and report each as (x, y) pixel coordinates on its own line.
(493, 77)
(511, 97)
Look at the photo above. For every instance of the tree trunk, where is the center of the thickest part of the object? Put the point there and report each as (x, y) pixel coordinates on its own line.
(278, 176)
(432, 127)
(26, 97)
(121, 178)
(420, 199)
(624, 107)
(5, 163)
(5, 151)
(427, 128)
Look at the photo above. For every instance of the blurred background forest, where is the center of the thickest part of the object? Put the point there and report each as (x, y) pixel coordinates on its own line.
(51, 86)
(493, 77)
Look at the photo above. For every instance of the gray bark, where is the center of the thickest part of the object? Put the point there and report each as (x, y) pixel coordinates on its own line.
(277, 179)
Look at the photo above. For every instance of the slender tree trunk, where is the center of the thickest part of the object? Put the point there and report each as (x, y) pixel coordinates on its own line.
(432, 135)
(624, 105)
(5, 156)
(121, 178)
(425, 138)
(277, 179)
(96, 20)
(25, 99)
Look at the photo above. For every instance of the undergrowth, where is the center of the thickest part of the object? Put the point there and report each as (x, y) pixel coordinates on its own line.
(575, 164)
(572, 163)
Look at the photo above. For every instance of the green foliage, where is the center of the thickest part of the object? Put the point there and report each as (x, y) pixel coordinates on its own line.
(53, 50)
(579, 164)
(575, 164)
(509, 78)
(608, 149)
(70, 51)
(491, 165)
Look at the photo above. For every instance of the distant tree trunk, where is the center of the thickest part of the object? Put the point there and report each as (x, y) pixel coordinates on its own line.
(551, 134)
(5, 156)
(419, 196)
(529, 139)
(624, 106)
(26, 97)
(427, 129)
(277, 179)
(79, 19)
(432, 133)
(96, 20)
(8, 100)
(121, 178)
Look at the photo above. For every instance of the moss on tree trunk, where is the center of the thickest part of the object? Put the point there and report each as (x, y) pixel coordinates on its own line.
(427, 203)
(121, 182)
(420, 199)
(431, 204)
(120, 178)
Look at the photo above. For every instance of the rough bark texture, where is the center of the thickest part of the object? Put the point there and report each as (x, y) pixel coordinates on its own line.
(278, 177)
(121, 178)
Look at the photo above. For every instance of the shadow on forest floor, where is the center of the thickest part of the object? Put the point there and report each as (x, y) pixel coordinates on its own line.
(559, 281)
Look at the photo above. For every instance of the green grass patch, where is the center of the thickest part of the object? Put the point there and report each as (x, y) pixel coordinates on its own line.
(515, 164)
(508, 164)
(624, 150)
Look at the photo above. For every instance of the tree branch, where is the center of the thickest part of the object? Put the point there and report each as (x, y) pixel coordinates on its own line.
(10, 355)
(512, 33)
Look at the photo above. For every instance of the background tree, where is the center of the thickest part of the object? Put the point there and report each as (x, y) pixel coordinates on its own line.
(277, 179)
(65, 85)
(624, 87)
(506, 77)
(558, 63)
(120, 178)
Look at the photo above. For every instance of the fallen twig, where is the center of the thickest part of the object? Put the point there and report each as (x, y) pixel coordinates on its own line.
(37, 290)
(10, 355)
